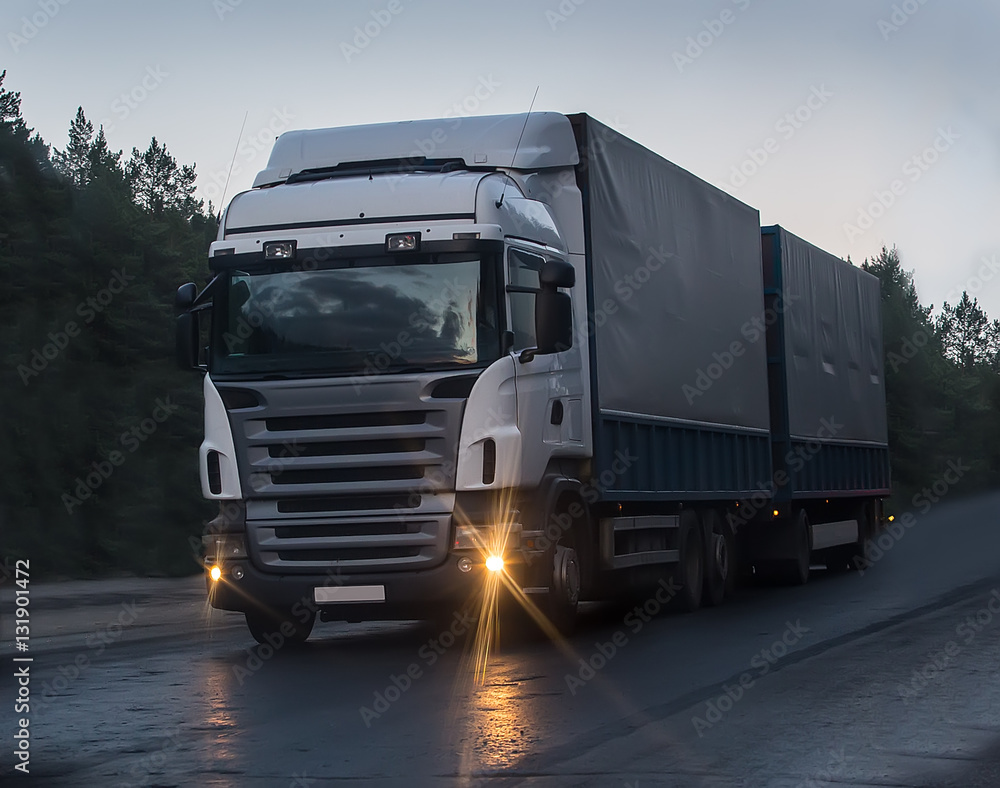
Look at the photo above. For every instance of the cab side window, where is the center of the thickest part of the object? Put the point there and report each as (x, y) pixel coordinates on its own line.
(523, 271)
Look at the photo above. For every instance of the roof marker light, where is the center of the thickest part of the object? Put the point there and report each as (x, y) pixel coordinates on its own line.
(279, 250)
(402, 242)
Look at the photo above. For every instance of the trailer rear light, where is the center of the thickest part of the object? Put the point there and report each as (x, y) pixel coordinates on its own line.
(279, 250)
(402, 242)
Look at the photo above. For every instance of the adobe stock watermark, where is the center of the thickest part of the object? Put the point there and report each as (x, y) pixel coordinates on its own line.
(130, 440)
(128, 101)
(912, 170)
(835, 766)
(752, 331)
(762, 662)
(604, 651)
(365, 33)
(397, 684)
(786, 127)
(625, 288)
(712, 30)
(97, 643)
(223, 8)
(901, 14)
(909, 348)
(876, 548)
(249, 148)
(590, 493)
(429, 146)
(556, 15)
(141, 770)
(59, 340)
(304, 609)
(32, 25)
(390, 352)
(796, 460)
(946, 656)
(988, 269)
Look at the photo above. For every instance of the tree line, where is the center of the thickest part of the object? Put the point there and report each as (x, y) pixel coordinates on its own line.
(99, 430)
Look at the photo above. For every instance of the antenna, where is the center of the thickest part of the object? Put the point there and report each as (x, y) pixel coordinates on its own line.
(239, 139)
(503, 191)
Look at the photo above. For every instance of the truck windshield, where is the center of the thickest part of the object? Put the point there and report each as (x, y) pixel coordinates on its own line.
(368, 315)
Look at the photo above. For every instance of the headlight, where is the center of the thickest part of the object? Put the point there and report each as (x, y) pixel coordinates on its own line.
(472, 537)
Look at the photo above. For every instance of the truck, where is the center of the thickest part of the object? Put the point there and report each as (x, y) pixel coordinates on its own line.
(521, 352)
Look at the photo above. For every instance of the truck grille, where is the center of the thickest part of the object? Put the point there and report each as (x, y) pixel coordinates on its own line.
(340, 476)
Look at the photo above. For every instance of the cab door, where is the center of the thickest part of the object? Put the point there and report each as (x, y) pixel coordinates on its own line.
(549, 387)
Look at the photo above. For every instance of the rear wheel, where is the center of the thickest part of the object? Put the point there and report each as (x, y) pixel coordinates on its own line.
(276, 629)
(686, 576)
(720, 568)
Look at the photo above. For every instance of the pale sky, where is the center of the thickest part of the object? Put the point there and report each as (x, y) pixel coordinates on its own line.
(817, 114)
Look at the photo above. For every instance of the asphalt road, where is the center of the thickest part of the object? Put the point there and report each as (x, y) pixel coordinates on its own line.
(887, 678)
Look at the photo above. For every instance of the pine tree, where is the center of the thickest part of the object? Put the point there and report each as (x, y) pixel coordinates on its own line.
(74, 162)
(158, 184)
(10, 112)
(964, 332)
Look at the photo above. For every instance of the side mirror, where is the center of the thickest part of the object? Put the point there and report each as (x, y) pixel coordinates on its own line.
(557, 273)
(187, 340)
(186, 295)
(553, 321)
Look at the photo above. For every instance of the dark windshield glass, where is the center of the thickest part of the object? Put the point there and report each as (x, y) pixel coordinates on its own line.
(374, 316)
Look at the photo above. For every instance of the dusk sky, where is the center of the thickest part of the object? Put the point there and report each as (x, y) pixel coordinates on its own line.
(853, 124)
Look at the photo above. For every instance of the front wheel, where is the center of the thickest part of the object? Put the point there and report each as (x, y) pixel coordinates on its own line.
(561, 602)
(277, 630)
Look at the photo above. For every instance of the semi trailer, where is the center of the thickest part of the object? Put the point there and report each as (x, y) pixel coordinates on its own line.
(525, 346)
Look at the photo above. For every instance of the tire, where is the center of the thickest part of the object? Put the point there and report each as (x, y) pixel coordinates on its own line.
(687, 575)
(561, 603)
(268, 628)
(720, 560)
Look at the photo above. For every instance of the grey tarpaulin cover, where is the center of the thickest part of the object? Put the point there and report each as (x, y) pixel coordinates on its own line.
(833, 343)
(677, 286)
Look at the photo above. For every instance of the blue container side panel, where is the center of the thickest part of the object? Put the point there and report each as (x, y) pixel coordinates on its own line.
(672, 461)
(827, 470)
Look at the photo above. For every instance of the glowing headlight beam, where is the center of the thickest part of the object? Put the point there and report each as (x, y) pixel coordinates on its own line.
(215, 573)
(494, 563)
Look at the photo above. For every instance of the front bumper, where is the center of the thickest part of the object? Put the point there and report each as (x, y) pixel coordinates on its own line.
(408, 595)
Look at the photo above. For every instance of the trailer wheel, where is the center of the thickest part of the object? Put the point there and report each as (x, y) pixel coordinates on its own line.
(686, 576)
(564, 590)
(720, 560)
(270, 629)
